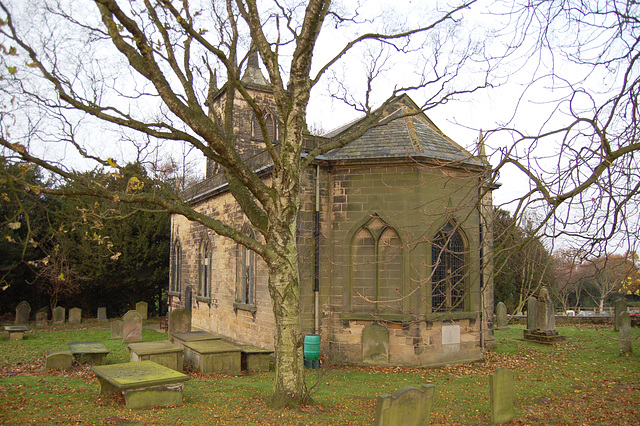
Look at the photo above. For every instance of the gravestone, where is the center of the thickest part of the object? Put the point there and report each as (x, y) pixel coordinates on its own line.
(375, 344)
(501, 317)
(619, 307)
(142, 308)
(102, 314)
(626, 347)
(407, 407)
(179, 322)
(188, 293)
(532, 302)
(59, 360)
(58, 315)
(41, 318)
(23, 310)
(501, 395)
(544, 315)
(116, 329)
(132, 327)
(75, 315)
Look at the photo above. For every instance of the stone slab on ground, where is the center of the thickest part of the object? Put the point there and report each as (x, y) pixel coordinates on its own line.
(59, 360)
(254, 358)
(194, 336)
(162, 352)
(16, 332)
(213, 356)
(144, 384)
(93, 352)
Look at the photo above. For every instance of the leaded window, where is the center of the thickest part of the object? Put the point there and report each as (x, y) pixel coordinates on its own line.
(204, 285)
(246, 274)
(176, 268)
(449, 270)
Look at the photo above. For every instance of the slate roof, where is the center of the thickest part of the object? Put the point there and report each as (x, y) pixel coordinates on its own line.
(401, 135)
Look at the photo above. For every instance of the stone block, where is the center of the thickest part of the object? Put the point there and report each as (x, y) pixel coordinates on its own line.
(59, 315)
(59, 360)
(407, 407)
(161, 352)
(102, 314)
(213, 356)
(179, 322)
(501, 395)
(16, 332)
(450, 334)
(94, 353)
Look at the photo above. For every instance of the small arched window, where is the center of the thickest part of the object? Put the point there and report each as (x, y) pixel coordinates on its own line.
(176, 268)
(271, 124)
(449, 270)
(246, 271)
(204, 285)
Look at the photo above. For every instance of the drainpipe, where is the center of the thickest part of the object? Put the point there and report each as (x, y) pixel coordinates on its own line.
(316, 236)
(481, 240)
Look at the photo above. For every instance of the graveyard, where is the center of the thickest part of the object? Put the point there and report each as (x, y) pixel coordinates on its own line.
(581, 380)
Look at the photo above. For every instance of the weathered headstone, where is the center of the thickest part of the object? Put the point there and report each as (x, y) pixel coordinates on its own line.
(532, 302)
(142, 308)
(501, 317)
(132, 327)
(59, 360)
(116, 329)
(58, 315)
(501, 395)
(75, 315)
(375, 344)
(179, 322)
(626, 347)
(407, 407)
(619, 307)
(23, 310)
(102, 314)
(41, 318)
(544, 320)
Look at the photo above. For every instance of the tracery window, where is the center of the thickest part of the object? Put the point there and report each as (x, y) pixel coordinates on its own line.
(449, 270)
(204, 282)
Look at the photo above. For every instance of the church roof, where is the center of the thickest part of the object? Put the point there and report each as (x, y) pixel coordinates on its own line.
(405, 132)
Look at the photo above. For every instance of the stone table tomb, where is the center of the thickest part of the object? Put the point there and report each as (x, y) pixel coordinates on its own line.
(194, 336)
(16, 332)
(213, 356)
(92, 352)
(254, 358)
(144, 384)
(162, 352)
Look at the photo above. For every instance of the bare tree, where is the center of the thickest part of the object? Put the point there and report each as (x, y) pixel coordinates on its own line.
(170, 52)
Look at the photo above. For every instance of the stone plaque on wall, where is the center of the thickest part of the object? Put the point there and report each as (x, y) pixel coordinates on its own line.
(375, 344)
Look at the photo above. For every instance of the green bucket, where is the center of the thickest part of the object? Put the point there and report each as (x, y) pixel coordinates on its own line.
(312, 346)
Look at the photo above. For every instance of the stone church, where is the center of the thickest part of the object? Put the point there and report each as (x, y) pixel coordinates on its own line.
(394, 237)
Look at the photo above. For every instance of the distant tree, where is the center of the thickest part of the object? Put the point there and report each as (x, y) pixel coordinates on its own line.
(606, 275)
(522, 262)
(566, 284)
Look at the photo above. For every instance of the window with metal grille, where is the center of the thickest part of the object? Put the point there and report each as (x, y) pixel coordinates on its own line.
(204, 287)
(176, 268)
(448, 278)
(246, 276)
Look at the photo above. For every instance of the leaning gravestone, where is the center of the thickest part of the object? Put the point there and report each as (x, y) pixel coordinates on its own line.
(116, 329)
(75, 315)
(626, 347)
(179, 322)
(131, 327)
(375, 344)
(23, 310)
(501, 317)
(142, 308)
(58, 315)
(619, 307)
(102, 314)
(407, 407)
(41, 318)
(501, 395)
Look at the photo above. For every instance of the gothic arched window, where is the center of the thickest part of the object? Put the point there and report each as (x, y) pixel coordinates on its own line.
(246, 274)
(449, 270)
(176, 268)
(204, 281)
(376, 269)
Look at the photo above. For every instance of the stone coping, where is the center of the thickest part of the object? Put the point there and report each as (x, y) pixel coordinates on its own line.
(88, 348)
(141, 374)
(194, 336)
(212, 346)
(15, 328)
(151, 348)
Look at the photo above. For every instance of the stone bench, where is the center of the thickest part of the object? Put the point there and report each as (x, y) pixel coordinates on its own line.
(59, 360)
(16, 332)
(92, 352)
(213, 356)
(193, 336)
(254, 358)
(162, 352)
(144, 384)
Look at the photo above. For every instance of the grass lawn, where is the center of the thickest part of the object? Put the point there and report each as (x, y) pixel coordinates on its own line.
(581, 381)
